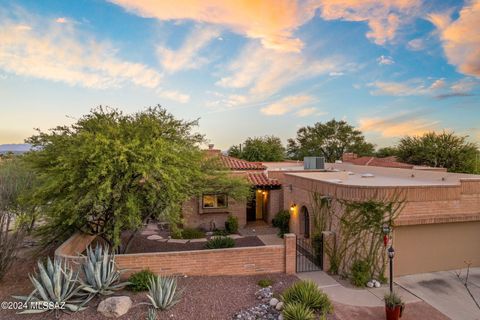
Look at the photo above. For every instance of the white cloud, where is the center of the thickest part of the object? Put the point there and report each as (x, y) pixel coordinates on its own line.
(336, 74)
(383, 17)
(287, 104)
(305, 112)
(174, 95)
(438, 84)
(410, 88)
(43, 49)
(416, 44)
(460, 38)
(186, 57)
(61, 20)
(385, 60)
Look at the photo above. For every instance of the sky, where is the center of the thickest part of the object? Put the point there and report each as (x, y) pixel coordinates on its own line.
(244, 68)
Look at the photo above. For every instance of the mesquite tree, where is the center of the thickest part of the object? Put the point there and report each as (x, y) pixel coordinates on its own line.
(110, 172)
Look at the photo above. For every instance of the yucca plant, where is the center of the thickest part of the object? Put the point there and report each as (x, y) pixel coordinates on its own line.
(100, 272)
(57, 285)
(297, 311)
(308, 293)
(162, 292)
(152, 314)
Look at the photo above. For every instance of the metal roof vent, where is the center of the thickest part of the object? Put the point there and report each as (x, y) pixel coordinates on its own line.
(368, 175)
(350, 173)
(314, 163)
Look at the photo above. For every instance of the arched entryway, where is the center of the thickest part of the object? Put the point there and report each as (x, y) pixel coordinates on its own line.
(305, 222)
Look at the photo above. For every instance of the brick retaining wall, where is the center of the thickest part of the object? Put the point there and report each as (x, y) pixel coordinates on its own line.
(231, 261)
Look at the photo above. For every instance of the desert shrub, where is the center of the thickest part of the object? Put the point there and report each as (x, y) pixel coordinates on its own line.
(360, 273)
(297, 311)
(219, 243)
(163, 293)
(231, 225)
(139, 281)
(308, 293)
(392, 300)
(191, 233)
(218, 232)
(282, 222)
(265, 283)
(152, 314)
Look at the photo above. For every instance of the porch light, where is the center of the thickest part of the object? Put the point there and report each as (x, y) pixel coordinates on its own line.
(292, 207)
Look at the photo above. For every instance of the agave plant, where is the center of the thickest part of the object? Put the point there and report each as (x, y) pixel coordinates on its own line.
(100, 272)
(57, 287)
(163, 292)
(152, 314)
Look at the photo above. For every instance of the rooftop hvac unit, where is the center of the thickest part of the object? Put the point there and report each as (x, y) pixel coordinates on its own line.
(314, 163)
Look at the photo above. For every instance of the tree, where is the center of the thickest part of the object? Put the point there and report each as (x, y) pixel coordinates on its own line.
(15, 179)
(445, 150)
(110, 172)
(260, 149)
(330, 140)
(386, 152)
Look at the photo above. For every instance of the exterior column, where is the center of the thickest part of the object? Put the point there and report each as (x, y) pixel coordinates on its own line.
(290, 240)
(328, 243)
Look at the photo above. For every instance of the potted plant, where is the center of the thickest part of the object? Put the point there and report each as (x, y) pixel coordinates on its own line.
(393, 306)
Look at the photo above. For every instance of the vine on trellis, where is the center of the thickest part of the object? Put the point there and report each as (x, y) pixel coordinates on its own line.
(358, 231)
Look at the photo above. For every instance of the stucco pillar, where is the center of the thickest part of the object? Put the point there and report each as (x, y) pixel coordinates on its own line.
(290, 240)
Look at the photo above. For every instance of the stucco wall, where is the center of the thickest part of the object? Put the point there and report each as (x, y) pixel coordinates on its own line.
(436, 247)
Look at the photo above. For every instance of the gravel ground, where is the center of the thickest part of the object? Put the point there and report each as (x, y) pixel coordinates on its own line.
(141, 244)
(203, 298)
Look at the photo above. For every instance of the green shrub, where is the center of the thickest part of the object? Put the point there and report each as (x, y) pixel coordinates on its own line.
(139, 281)
(297, 311)
(231, 225)
(220, 242)
(190, 233)
(282, 222)
(265, 283)
(360, 273)
(308, 293)
(218, 232)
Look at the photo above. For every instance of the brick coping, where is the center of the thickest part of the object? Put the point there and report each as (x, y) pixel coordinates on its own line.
(435, 219)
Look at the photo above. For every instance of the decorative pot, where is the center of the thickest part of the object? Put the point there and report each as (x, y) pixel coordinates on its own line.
(394, 313)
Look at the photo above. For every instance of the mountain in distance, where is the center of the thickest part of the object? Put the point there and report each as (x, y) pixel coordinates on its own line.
(15, 148)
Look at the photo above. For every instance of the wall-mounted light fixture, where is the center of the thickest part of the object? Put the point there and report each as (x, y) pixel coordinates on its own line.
(293, 206)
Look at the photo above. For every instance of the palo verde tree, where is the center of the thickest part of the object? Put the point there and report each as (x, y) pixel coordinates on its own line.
(330, 140)
(445, 150)
(111, 171)
(267, 148)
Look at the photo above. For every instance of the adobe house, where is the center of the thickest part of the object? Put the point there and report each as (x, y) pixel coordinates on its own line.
(438, 229)
(210, 211)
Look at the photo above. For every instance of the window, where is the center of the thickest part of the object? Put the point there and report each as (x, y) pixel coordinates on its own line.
(214, 200)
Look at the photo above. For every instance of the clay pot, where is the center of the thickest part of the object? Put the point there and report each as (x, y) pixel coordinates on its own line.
(394, 313)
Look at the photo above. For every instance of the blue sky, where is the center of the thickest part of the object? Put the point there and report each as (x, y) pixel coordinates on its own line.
(245, 68)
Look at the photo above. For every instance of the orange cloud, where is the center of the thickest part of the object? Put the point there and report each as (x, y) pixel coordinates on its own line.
(271, 21)
(289, 104)
(383, 17)
(398, 125)
(461, 38)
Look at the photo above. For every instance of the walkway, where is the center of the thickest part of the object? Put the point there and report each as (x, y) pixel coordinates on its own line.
(256, 228)
(369, 297)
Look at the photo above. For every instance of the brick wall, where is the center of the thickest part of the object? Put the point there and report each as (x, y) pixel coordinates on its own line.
(195, 216)
(231, 261)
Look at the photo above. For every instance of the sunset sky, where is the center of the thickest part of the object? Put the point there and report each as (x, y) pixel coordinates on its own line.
(245, 68)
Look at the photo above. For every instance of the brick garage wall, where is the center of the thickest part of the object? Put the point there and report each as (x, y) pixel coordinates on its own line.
(195, 216)
(232, 261)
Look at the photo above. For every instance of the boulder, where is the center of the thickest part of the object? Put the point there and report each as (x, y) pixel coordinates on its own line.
(279, 306)
(273, 302)
(115, 307)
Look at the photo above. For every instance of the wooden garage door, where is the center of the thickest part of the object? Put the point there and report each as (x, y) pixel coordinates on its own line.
(436, 247)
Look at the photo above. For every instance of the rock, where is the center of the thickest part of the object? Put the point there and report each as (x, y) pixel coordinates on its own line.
(154, 237)
(115, 307)
(370, 284)
(377, 284)
(273, 302)
(280, 317)
(279, 306)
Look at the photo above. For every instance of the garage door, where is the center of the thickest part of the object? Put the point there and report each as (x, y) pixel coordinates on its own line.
(436, 247)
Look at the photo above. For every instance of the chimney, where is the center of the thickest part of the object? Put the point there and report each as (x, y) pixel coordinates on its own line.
(210, 146)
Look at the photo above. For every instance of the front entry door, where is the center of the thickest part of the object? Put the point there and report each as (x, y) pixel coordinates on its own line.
(252, 209)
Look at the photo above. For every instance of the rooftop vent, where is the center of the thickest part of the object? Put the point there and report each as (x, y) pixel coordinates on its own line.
(368, 175)
(314, 163)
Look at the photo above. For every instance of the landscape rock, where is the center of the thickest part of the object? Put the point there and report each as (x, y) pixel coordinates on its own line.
(279, 306)
(273, 302)
(154, 237)
(115, 307)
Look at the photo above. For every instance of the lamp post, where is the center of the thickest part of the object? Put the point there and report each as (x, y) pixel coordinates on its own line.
(391, 254)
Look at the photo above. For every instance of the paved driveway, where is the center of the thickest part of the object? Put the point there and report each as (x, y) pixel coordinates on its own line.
(446, 292)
